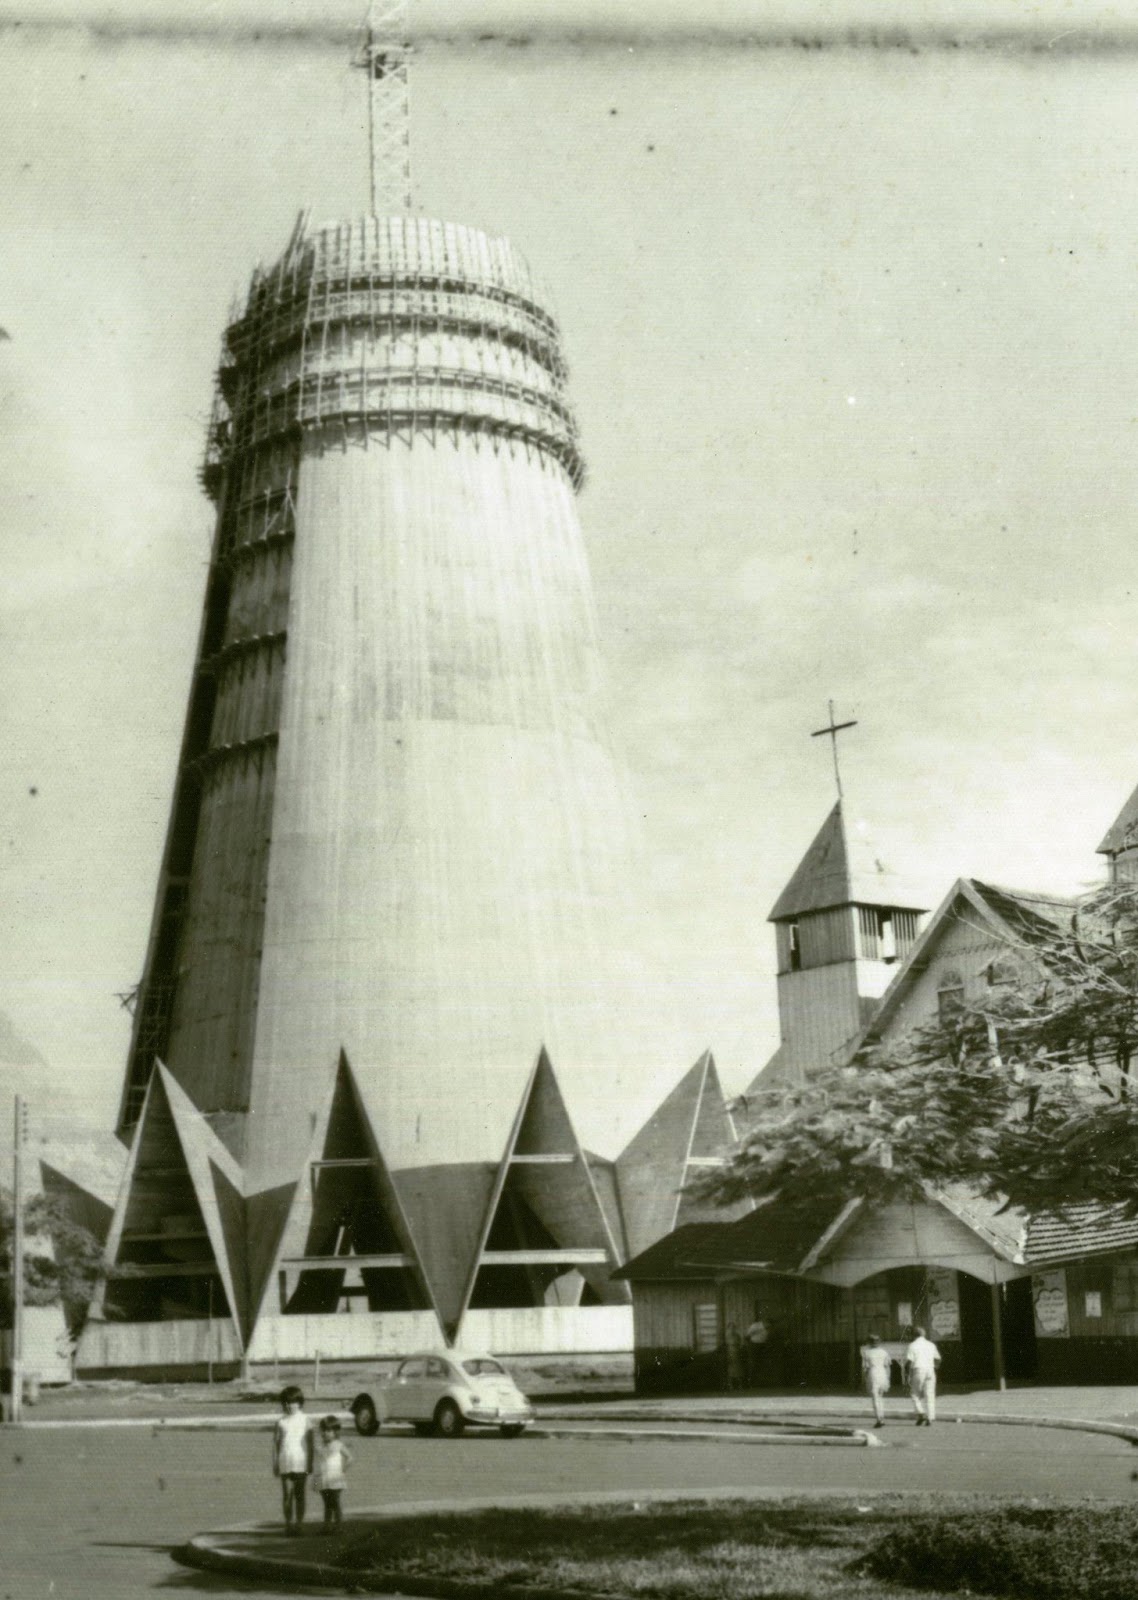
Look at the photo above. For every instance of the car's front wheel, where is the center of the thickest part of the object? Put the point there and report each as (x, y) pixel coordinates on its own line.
(449, 1421)
(367, 1418)
(512, 1430)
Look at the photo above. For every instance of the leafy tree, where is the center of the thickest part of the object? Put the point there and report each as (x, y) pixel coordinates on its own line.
(1025, 1093)
(67, 1272)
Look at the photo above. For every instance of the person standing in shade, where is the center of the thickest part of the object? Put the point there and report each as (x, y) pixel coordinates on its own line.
(922, 1358)
(875, 1365)
(292, 1457)
(757, 1339)
(736, 1362)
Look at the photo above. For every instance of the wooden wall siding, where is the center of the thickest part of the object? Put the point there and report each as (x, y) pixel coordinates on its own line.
(819, 1015)
(795, 1312)
(823, 937)
(1115, 1280)
(966, 946)
(905, 1234)
(662, 1313)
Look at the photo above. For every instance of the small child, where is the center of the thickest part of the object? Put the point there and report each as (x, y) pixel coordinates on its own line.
(332, 1462)
(292, 1457)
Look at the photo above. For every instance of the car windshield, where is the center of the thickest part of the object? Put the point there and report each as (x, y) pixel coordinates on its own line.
(483, 1367)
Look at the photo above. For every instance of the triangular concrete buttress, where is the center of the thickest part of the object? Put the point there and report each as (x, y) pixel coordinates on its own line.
(176, 1221)
(345, 1218)
(690, 1129)
(544, 1218)
(714, 1139)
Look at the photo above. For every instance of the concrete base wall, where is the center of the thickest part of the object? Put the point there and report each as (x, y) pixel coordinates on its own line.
(156, 1349)
(344, 1338)
(47, 1345)
(541, 1330)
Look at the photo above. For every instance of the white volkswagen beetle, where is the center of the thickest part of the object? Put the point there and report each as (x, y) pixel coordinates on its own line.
(444, 1392)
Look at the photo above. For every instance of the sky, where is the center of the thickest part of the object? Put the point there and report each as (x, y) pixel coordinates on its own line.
(848, 297)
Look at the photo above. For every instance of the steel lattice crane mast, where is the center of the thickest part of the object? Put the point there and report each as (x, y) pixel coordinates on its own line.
(385, 54)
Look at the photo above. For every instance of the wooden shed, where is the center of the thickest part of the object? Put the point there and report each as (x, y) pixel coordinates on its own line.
(1005, 1296)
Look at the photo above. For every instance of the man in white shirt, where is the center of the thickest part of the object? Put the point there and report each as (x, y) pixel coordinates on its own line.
(922, 1358)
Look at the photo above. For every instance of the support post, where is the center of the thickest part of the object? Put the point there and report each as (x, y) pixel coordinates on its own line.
(998, 1336)
(855, 1353)
(17, 1362)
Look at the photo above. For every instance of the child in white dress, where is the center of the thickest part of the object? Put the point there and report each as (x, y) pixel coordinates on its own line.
(333, 1458)
(292, 1456)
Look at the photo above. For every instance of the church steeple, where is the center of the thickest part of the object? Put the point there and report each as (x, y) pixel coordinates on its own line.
(842, 924)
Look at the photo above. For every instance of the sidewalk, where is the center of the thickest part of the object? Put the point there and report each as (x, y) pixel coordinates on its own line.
(1116, 1405)
(223, 1406)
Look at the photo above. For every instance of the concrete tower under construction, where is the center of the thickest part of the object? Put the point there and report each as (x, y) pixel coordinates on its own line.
(393, 964)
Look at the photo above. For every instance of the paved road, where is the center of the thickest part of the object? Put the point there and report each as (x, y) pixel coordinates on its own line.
(90, 1514)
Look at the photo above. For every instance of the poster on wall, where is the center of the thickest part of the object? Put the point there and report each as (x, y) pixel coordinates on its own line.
(1049, 1296)
(944, 1304)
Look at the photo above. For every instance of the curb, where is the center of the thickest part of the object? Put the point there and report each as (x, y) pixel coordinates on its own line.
(207, 1552)
(1119, 1430)
(751, 1419)
(853, 1433)
(846, 1437)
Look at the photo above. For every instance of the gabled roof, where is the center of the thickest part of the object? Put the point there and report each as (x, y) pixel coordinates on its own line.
(772, 1238)
(1003, 1228)
(841, 868)
(1084, 1230)
(1014, 916)
(1123, 831)
(1027, 914)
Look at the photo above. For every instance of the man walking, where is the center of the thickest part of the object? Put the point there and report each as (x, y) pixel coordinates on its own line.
(875, 1364)
(922, 1358)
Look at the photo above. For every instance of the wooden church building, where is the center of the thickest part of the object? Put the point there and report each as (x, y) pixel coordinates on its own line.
(1004, 1294)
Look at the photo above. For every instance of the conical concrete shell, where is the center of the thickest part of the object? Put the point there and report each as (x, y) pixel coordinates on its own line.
(398, 826)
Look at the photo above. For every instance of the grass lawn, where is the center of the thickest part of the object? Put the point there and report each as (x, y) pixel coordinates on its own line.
(743, 1550)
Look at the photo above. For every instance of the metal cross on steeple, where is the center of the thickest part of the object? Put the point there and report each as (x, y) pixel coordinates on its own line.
(832, 729)
(384, 54)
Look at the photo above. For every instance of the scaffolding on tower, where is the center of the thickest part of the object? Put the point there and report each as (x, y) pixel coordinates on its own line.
(385, 54)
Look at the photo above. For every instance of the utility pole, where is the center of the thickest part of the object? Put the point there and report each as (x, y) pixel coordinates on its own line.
(17, 1362)
(384, 54)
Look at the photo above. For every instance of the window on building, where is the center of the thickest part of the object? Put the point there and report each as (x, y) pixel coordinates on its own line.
(705, 1327)
(795, 947)
(949, 997)
(885, 934)
(1124, 1285)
